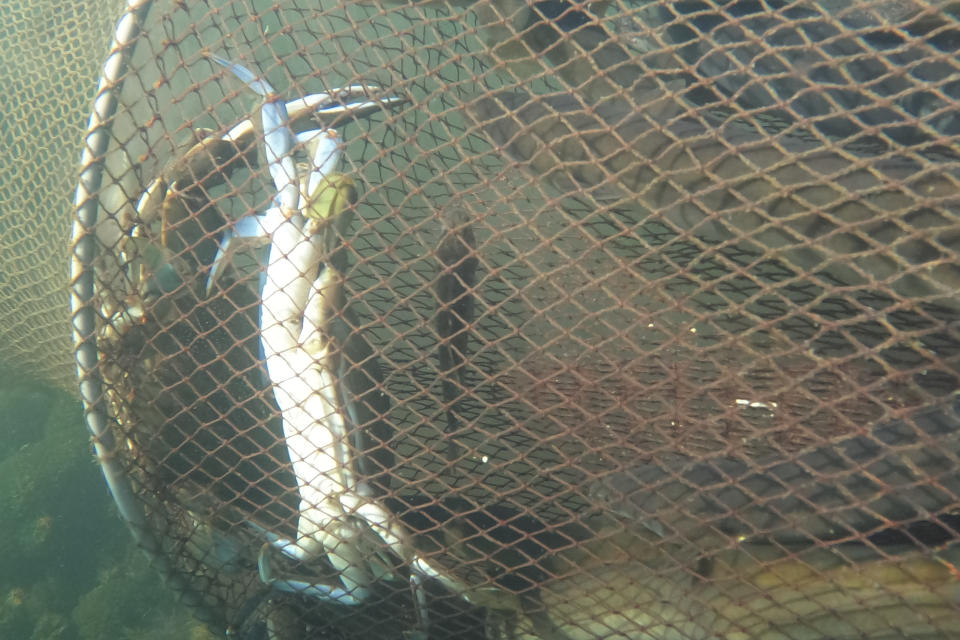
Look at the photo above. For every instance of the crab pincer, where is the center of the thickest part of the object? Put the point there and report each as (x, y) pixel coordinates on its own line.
(280, 141)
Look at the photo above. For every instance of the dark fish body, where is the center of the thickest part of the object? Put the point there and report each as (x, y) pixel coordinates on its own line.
(454, 291)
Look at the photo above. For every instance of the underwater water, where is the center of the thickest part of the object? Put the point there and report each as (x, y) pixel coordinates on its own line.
(69, 570)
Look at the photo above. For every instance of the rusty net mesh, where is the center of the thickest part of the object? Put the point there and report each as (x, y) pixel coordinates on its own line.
(645, 324)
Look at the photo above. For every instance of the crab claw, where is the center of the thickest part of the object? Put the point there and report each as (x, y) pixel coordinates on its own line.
(277, 136)
(250, 230)
(353, 100)
(326, 155)
(341, 105)
(257, 229)
(302, 587)
(253, 81)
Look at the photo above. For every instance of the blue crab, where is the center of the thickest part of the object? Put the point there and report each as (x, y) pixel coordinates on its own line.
(306, 359)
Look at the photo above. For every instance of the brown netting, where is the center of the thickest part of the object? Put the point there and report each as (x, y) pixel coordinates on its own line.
(647, 328)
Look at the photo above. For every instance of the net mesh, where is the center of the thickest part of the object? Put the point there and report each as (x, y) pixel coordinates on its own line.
(49, 77)
(645, 325)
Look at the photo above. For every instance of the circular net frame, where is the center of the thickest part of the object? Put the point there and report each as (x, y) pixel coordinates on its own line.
(648, 327)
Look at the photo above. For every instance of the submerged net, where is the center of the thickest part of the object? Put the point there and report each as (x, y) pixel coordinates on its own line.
(645, 325)
(49, 77)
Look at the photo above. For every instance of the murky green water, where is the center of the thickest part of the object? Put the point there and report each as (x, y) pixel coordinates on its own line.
(68, 568)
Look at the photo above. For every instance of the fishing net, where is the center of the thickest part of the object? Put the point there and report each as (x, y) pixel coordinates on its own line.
(49, 77)
(613, 319)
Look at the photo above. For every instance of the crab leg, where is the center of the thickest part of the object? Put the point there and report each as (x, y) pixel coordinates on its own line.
(277, 136)
(301, 299)
(352, 101)
(256, 228)
(299, 296)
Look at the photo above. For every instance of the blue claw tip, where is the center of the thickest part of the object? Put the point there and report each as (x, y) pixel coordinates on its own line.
(218, 261)
(251, 226)
(262, 87)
